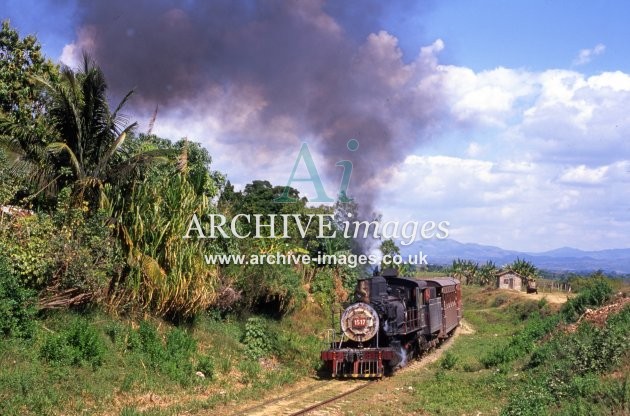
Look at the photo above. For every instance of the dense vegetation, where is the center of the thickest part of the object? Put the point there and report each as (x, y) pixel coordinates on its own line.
(111, 205)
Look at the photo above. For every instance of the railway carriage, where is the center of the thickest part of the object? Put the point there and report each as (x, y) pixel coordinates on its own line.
(392, 320)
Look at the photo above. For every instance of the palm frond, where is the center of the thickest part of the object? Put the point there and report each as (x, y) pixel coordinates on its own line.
(59, 147)
(125, 168)
(121, 104)
(104, 159)
(152, 121)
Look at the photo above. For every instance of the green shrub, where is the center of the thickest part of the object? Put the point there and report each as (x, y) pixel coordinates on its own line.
(225, 364)
(28, 242)
(63, 251)
(471, 367)
(205, 364)
(449, 361)
(275, 288)
(118, 334)
(442, 376)
(180, 345)
(499, 300)
(589, 349)
(568, 368)
(523, 310)
(615, 395)
(88, 256)
(303, 351)
(180, 348)
(172, 358)
(529, 400)
(595, 294)
(323, 286)
(17, 304)
(79, 343)
(149, 342)
(544, 354)
(257, 338)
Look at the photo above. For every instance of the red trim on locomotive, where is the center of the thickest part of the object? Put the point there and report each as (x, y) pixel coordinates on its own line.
(373, 360)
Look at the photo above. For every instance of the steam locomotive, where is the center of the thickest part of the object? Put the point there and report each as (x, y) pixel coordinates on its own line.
(392, 320)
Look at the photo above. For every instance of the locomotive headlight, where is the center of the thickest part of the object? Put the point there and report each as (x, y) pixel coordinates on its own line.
(359, 322)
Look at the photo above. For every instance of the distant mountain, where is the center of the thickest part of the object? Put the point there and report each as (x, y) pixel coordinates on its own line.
(562, 259)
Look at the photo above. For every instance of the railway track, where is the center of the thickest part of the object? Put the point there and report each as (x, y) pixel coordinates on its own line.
(320, 394)
(306, 399)
(332, 399)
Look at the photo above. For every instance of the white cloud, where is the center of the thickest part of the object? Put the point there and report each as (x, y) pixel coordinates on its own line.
(554, 114)
(586, 55)
(486, 97)
(616, 81)
(70, 56)
(582, 175)
(71, 53)
(513, 204)
(579, 119)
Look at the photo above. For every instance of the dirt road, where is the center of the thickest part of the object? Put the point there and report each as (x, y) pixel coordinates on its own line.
(552, 297)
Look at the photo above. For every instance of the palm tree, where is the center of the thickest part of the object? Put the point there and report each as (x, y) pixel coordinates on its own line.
(82, 147)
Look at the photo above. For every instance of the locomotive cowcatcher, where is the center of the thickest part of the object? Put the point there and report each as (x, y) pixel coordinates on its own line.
(392, 320)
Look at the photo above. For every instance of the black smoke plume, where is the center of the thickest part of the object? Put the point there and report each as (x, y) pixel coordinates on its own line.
(325, 69)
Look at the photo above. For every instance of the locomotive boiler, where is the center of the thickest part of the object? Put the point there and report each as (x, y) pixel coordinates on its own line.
(392, 320)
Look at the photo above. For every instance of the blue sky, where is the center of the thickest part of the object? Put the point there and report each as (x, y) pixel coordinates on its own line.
(534, 35)
(526, 146)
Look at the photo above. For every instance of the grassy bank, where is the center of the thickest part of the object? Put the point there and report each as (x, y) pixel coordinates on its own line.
(95, 364)
(460, 383)
(526, 358)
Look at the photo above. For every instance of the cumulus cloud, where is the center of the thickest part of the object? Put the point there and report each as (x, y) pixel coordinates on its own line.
(486, 97)
(582, 175)
(556, 114)
(514, 204)
(69, 55)
(555, 165)
(586, 55)
(578, 119)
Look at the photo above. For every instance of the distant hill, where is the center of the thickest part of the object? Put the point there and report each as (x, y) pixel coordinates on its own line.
(565, 259)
